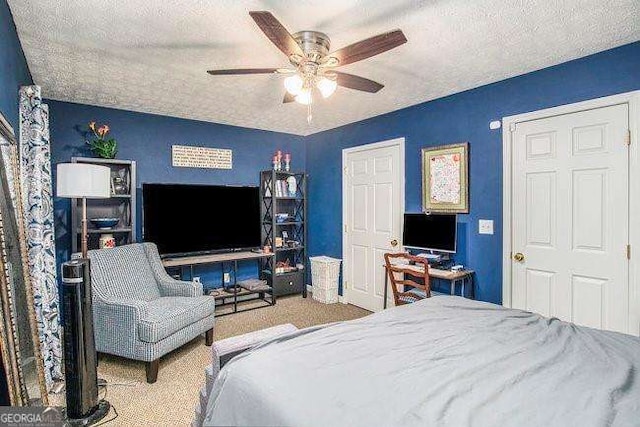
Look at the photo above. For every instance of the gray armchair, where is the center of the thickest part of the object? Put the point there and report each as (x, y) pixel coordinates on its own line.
(139, 311)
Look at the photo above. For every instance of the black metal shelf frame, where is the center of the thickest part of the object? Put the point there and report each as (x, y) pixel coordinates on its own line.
(296, 206)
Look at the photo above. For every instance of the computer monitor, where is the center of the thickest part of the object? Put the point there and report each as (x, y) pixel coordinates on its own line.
(435, 232)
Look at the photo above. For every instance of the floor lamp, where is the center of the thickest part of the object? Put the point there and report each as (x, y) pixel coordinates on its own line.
(83, 181)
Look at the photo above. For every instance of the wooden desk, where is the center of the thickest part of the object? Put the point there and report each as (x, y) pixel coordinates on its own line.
(452, 276)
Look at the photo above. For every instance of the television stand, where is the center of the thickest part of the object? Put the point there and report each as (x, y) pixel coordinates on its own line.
(232, 289)
(237, 295)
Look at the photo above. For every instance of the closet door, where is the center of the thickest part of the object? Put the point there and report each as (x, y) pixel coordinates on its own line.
(373, 207)
(570, 226)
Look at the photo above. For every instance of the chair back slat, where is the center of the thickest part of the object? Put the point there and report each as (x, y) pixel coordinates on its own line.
(409, 283)
(405, 264)
(410, 270)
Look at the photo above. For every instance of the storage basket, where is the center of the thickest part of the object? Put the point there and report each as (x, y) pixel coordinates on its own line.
(325, 275)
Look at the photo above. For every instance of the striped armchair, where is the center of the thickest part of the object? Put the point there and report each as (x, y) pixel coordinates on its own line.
(139, 311)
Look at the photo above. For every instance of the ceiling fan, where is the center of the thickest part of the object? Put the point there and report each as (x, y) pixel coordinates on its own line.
(314, 64)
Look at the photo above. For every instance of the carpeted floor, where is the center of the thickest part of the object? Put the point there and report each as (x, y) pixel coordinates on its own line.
(171, 400)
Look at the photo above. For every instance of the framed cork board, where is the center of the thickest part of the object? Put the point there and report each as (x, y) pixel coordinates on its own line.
(445, 178)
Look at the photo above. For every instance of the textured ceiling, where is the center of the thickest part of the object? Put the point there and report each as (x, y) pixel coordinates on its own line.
(151, 55)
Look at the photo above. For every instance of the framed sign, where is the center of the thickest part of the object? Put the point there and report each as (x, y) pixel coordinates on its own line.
(186, 156)
(445, 178)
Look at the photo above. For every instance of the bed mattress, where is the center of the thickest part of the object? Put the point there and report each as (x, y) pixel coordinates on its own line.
(441, 361)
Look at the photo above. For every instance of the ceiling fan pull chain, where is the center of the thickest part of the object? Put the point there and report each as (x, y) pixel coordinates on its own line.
(309, 115)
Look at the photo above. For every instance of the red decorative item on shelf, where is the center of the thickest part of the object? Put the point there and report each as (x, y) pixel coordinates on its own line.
(285, 267)
(107, 241)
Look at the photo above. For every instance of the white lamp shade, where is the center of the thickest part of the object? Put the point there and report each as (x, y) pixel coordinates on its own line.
(326, 86)
(83, 180)
(293, 84)
(304, 97)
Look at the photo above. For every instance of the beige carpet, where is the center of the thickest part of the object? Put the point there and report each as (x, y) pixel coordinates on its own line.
(171, 400)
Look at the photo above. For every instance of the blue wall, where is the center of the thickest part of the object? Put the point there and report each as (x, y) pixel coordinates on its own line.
(13, 67)
(147, 139)
(461, 117)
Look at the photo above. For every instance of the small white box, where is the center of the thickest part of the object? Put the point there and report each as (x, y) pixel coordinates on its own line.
(496, 124)
(485, 226)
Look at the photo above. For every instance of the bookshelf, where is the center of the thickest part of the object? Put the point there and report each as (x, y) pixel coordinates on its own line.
(283, 215)
(121, 205)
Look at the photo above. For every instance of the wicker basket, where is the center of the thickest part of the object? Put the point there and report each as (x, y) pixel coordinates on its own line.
(325, 275)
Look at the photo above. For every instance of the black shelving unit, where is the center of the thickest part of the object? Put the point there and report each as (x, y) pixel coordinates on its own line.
(278, 196)
(120, 205)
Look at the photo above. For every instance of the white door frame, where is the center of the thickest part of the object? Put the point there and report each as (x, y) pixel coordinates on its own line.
(632, 99)
(399, 142)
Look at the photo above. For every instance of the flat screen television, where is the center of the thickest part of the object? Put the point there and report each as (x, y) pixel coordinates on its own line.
(436, 232)
(187, 219)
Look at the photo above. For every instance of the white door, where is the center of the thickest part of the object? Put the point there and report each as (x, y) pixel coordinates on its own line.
(570, 217)
(373, 197)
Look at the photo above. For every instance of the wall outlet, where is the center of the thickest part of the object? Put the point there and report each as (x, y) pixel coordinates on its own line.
(196, 279)
(227, 277)
(485, 226)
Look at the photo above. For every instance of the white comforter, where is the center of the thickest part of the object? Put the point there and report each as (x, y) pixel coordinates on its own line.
(441, 361)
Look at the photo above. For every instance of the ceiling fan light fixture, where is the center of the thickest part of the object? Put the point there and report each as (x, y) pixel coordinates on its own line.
(326, 86)
(313, 62)
(304, 97)
(293, 84)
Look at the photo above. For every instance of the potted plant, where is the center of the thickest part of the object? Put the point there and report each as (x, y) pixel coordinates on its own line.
(104, 147)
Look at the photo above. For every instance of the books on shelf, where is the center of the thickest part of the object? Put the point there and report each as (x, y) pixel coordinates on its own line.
(281, 189)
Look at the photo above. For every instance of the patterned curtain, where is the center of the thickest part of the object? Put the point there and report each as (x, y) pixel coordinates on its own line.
(35, 174)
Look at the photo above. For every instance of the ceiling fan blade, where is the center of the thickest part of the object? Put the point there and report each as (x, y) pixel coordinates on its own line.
(356, 82)
(277, 33)
(368, 47)
(288, 98)
(243, 71)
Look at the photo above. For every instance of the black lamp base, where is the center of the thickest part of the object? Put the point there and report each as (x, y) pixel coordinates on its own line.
(98, 413)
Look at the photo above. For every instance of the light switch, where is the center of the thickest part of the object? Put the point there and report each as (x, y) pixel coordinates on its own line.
(485, 226)
(496, 124)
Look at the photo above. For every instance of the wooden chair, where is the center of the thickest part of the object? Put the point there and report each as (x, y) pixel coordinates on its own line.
(403, 268)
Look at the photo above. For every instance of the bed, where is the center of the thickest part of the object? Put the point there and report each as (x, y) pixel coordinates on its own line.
(441, 361)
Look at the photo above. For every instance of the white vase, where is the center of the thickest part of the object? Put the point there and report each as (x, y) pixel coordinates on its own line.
(292, 185)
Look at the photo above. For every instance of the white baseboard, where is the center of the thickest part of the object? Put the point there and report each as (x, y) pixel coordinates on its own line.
(340, 297)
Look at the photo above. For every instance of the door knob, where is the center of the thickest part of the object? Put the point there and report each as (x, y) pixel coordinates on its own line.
(394, 243)
(519, 257)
